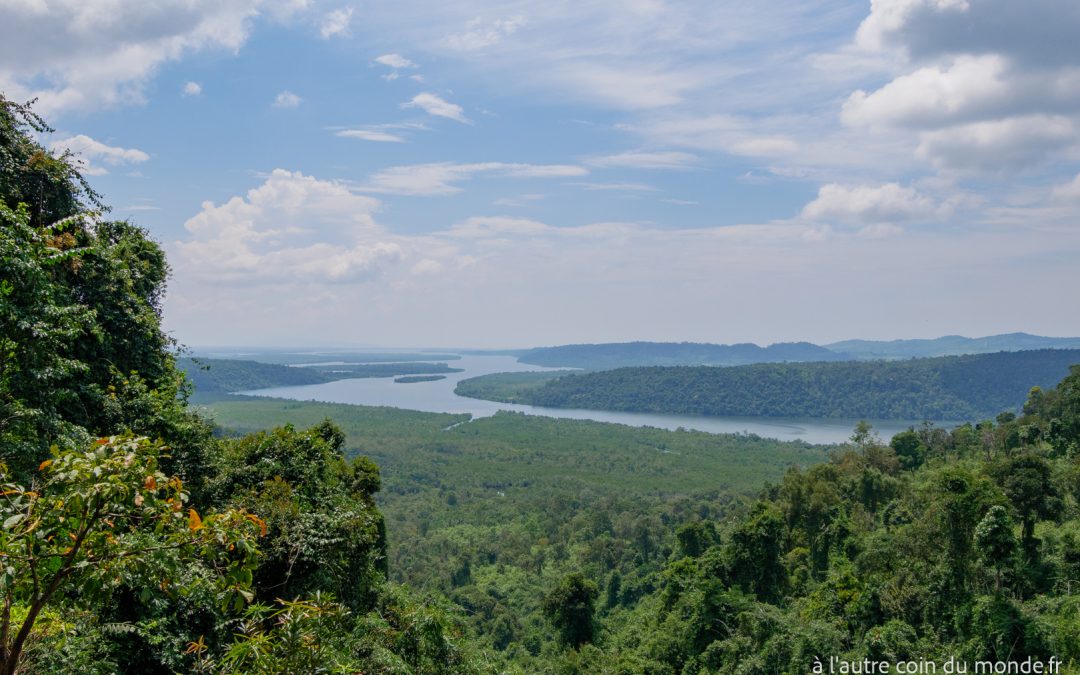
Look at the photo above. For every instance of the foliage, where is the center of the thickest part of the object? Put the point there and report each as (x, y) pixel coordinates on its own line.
(107, 517)
(569, 606)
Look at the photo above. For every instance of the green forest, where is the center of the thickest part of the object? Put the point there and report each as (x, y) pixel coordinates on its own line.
(945, 388)
(218, 376)
(142, 532)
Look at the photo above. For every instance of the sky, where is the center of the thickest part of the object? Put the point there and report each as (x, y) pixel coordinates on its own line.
(492, 174)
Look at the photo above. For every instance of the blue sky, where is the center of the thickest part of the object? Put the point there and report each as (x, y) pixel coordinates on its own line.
(489, 174)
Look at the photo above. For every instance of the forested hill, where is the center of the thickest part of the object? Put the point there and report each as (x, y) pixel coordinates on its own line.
(623, 354)
(944, 388)
(213, 376)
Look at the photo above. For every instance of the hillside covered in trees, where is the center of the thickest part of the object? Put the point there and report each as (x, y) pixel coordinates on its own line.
(217, 376)
(945, 388)
(139, 536)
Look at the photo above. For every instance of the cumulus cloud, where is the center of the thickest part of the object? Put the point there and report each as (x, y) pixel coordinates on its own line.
(336, 23)
(191, 89)
(103, 54)
(89, 152)
(441, 178)
(438, 107)
(998, 146)
(395, 61)
(870, 205)
(292, 229)
(286, 99)
(988, 86)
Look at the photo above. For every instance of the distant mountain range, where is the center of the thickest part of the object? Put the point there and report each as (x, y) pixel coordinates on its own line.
(627, 354)
(623, 354)
(950, 345)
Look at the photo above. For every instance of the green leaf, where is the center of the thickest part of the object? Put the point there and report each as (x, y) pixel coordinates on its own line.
(14, 520)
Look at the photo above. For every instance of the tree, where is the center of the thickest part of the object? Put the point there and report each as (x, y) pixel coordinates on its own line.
(569, 606)
(909, 449)
(106, 517)
(1028, 482)
(994, 541)
(756, 550)
(325, 533)
(82, 352)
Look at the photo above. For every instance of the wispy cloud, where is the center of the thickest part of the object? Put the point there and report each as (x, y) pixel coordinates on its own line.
(443, 178)
(191, 89)
(644, 160)
(434, 105)
(370, 135)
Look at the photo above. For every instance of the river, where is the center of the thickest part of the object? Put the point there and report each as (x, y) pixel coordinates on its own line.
(439, 396)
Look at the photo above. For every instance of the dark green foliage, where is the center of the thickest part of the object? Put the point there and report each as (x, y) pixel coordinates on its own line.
(950, 388)
(569, 606)
(324, 532)
(995, 542)
(1028, 483)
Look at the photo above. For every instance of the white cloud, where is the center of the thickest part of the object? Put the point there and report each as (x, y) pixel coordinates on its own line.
(999, 146)
(395, 61)
(336, 23)
(1068, 192)
(644, 160)
(89, 151)
(103, 54)
(370, 135)
(437, 106)
(616, 187)
(292, 229)
(725, 133)
(286, 99)
(479, 33)
(498, 226)
(870, 204)
(990, 86)
(442, 178)
(191, 89)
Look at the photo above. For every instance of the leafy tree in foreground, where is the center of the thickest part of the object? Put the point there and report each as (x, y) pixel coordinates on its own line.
(104, 518)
